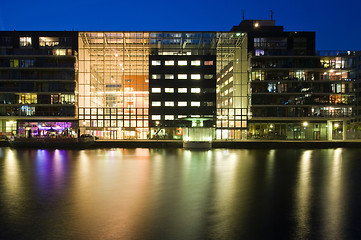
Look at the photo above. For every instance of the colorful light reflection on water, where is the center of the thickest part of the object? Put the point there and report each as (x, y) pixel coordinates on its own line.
(178, 194)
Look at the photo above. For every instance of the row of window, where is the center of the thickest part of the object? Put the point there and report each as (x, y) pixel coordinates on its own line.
(43, 41)
(115, 123)
(225, 83)
(226, 92)
(37, 99)
(113, 111)
(179, 104)
(180, 90)
(225, 74)
(181, 63)
(182, 76)
(170, 117)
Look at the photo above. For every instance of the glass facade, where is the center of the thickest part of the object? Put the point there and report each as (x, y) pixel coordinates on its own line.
(113, 84)
(114, 76)
(232, 86)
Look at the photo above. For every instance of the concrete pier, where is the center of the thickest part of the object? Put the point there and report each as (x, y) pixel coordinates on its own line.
(245, 144)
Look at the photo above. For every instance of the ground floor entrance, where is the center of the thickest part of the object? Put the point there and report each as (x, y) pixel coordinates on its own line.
(116, 133)
(302, 130)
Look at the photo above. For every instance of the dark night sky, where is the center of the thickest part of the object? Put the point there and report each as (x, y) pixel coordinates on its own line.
(337, 26)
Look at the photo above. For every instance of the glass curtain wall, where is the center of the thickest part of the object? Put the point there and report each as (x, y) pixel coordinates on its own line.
(113, 80)
(113, 84)
(232, 86)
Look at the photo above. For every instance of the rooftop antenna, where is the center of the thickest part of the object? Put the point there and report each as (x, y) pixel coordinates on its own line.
(243, 14)
(272, 12)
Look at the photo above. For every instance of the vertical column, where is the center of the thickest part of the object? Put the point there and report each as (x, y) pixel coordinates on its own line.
(329, 130)
(3, 126)
(344, 130)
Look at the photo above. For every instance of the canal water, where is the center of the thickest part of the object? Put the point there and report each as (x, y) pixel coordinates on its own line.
(180, 194)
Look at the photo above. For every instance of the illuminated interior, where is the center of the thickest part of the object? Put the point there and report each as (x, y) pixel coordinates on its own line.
(113, 84)
(232, 87)
(113, 79)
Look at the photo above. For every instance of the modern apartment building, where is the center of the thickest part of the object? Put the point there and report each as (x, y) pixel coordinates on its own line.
(296, 92)
(358, 86)
(37, 82)
(256, 81)
(302, 97)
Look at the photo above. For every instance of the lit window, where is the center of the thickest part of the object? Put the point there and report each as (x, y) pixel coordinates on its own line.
(156, 104)
(169, 63)
(182, 104)
(182, 90)
(155, 76)
(195, 90)
(25, 41)
(182, 116)
(208, 63)
(195, 104)
(182, 63)
(169, 76)
(196, 63)
(140, 123)
(169, 117)
(208, 76)
(128, 89)
(14, 62)
(155, 117)
(169, 103)
(195, 76)
(48, 41)
(182, 76)
(59, 52)
(259, 52)
(24, 63)
(169, 90)
(155, 62)
(156, 90)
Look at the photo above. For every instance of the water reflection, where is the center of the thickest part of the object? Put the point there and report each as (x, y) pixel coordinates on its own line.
(303, 198)
(111, 191)
(334, 204)
(178, 194)
(11, 185)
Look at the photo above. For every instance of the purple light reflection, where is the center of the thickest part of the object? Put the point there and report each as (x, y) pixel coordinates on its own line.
(50, 171)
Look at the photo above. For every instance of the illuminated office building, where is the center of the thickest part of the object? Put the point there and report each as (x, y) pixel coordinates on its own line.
(140, 85)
